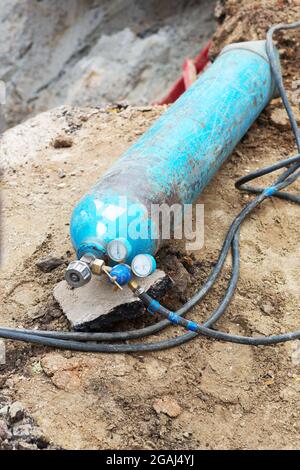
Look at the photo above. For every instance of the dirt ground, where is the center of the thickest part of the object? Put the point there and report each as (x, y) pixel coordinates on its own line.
(205, 394)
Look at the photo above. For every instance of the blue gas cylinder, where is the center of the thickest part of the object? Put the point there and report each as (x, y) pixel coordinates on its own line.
(176, 158)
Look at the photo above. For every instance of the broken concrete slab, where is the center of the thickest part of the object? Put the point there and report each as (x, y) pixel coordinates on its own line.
(96, 305)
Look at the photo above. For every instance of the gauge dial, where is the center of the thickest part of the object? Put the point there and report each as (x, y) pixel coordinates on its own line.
(143, 265)
(117, 250)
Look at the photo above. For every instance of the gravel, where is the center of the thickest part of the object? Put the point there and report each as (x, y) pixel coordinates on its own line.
(18, 430)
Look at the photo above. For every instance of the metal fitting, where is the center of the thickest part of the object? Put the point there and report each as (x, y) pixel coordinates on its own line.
(97, 266)
(78, 273)
(139, 291)
(136, 289)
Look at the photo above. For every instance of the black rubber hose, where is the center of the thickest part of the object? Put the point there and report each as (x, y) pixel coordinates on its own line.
(278, 75)
(241, 183)
(287, 178)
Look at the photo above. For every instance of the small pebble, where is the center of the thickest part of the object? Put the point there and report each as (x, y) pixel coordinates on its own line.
(49, 264)
(61, 173)
(167, 405)
(4, 432)
(62, 141)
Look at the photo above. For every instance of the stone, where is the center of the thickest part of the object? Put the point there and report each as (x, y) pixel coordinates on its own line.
(61, 173)
(23, 445)
(280, 118)
(97, 305)
(4, 411)
(16, 411)
(2, 354)
(295, 353)
(4, 432)
(62, 371)
(62, 141)
(55, 362)
(167, 405)
(66, 380)
(22, 430)
(267, 308)
(49, 264)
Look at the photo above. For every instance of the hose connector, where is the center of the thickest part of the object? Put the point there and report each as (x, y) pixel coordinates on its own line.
(79, 272)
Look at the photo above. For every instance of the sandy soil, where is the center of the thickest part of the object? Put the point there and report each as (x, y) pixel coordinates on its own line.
(205, 394)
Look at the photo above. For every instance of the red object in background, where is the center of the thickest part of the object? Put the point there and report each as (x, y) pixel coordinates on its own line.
(189, 73)
(190, 70)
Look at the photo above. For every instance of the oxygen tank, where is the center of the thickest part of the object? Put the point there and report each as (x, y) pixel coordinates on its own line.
(173, 161)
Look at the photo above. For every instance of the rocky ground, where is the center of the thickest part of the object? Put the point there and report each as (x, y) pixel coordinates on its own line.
(205, 394)
(17, 429)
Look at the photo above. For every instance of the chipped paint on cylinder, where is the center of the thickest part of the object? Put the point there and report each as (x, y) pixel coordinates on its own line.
(176, 158)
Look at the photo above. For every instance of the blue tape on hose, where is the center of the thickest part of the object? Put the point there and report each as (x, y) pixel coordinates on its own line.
(174, 318)
(192, 326)
(270, 191)
(153, 306)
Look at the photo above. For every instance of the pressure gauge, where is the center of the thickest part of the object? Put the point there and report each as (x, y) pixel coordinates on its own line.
(143, 265)
(118, 249)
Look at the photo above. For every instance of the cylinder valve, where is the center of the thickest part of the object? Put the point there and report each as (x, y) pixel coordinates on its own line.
(78, 273)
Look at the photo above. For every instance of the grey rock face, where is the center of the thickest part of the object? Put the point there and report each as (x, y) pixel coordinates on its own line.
(95, 52)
